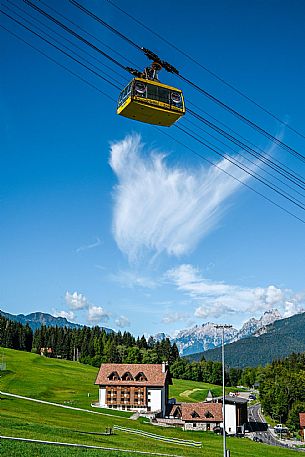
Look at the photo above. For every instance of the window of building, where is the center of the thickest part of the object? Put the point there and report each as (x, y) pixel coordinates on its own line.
(114, 376)
(140, 377)
(127, 376)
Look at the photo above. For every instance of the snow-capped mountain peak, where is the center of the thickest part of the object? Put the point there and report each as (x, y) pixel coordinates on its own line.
(200, 338)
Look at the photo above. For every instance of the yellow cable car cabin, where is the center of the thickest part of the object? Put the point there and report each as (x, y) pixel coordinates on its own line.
(147, 100)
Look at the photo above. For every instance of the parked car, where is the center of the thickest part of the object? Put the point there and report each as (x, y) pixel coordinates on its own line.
(279, 428)
(257, 439)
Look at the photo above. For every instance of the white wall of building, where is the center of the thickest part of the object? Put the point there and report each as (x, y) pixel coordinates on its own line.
(154, 398)
(102, 397)
(230, 411)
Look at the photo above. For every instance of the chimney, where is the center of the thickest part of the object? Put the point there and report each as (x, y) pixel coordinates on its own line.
(164, 367)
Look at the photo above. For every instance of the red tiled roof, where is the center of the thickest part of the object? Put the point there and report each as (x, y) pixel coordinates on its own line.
(200, 412)
(153, 373)
(302, 419)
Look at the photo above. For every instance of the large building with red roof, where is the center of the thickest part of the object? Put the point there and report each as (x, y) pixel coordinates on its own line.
(134, 386)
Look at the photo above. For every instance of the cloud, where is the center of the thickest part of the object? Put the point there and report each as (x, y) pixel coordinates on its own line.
(85, 247)
(294, 306)
(76, 301)
(132, 279)
(171, 318)
(161, 208)
(122, 321)
(69, 315)
(97, 314)
(216, 299)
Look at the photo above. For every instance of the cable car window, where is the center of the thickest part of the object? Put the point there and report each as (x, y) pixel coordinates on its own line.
(163, 95)
(124, 94)
(152, 92)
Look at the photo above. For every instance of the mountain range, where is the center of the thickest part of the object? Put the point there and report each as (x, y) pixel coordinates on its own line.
(201, 338)
(36, 320)
(274, 341)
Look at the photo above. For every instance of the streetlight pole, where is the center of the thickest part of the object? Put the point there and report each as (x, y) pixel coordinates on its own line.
(223, 386)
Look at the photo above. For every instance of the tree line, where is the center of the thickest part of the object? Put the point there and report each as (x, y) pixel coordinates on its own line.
(94, 346)
(15, 335)
(282, 389)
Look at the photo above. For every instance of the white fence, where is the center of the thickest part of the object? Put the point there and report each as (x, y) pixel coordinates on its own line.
(158, 437)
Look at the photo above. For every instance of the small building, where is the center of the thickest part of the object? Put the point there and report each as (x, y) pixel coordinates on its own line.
(47, 352)
(134, 386)
(236, 411)
(196, 416)
(302, 425)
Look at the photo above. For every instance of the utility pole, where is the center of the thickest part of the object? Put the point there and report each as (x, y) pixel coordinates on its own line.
(225, 454)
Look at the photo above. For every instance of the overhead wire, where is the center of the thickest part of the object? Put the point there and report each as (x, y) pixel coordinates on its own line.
(216, 100)
(176, 126)
(61, 36)
(244, 168)
(93, 86)
(59, 49)
(257, 165)
(102, 72)
(87, 32)
(219, 78)
(281, 170)
(243, 118)
(105, 24)
(237, 134)
(232, 176)
(75, 34)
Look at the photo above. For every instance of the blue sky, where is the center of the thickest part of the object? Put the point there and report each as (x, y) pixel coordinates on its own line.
(111, 222)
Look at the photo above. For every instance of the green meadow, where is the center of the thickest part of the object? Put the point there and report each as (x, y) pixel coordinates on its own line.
(72, 384)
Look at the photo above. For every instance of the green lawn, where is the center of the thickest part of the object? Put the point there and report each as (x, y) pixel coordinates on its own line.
(192, 391)
(63, 381)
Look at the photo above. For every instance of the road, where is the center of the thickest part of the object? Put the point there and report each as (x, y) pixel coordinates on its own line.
(259, 427)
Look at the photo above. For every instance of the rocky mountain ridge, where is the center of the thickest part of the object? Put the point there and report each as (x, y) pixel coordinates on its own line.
(204, 337)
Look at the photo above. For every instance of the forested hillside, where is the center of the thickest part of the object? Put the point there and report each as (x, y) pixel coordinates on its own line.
(94, 346)
(282, 389)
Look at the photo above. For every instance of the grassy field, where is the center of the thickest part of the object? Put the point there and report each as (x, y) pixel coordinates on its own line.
(192, 391)
(69, 383)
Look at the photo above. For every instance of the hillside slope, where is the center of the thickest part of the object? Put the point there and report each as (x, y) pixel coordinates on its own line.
(281, 339)
(70, 382)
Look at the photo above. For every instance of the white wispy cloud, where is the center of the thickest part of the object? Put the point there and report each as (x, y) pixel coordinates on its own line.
(132, 279)
(76, 301)
(85, 247)
(66, 314)
(162, 208)
(122, 321)
(97, 314)
(216, 299)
